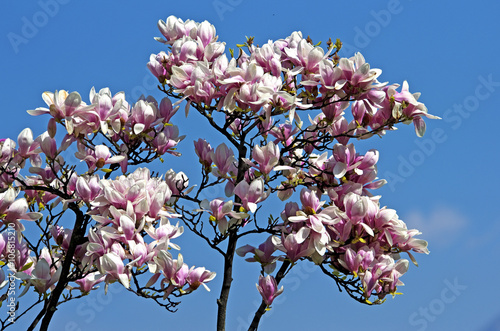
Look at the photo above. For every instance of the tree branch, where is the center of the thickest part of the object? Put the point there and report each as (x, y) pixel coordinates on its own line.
(262, 308)
(51, 305)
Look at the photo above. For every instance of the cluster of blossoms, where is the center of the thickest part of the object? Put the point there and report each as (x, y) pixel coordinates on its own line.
(123, 224)
(258, 102)
(266, 82)
(129, 129)
(262, 94)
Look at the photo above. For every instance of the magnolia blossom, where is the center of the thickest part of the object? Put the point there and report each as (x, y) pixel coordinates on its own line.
(266, 157)
(262, 254)
(268, 289)
(295, 245)
(316, 219)
(88, 283)
(111, 264)
(164, 233)
(223, 159)
(20, 246)
(178, 274)
(13, 211)
(99, 157)
(220, 211)
(204, 152)
(28, 148)
(88, 190)
(199, 276)
(250, 194)
(43, 276)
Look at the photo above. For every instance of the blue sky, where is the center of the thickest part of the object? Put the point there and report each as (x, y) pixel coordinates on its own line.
(444, 184)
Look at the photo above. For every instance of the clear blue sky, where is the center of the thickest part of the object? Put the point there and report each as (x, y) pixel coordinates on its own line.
(445, 184)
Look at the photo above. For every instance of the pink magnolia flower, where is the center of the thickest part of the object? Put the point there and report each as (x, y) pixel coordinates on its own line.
(357, 207)
(204, 152)
(251, 194)
(383, 277)
(177, 273)
(268, 57)
(107, 111)
(42, 277)
(392, 279)
(48, 145)
(406, 106)
(346, 160)
(143, 114)
(262, 254)
(155, 65)
(206, 33)
(284, 133)
(100, 242)
(180, 277)
(21, 249)
(177, 182)
(310, 201)
(224, 160)
(166, 110)
(353, 261)
(167, 265)
(88, 189)
(127, 227)
(137, 195)
(268, 289)
(334, 110)
(98, 157)
(63, 106)
(339, 129)
(315, 218)
(186, 50)
(12, 210)
(370, 282)
(8, 150)
(358, 74)
(248, 86)
(199, 276)
(140, 252)
(181, 77)
(174, 28)
(61, 236)
(267, 157)
(166, 140)
(196, 82)
(87, 283)
(219, 211)
(306, 56)
(330, 77)
(295, 245)
(163, 233)
(111, 264)
(28, 148)
(291, 209)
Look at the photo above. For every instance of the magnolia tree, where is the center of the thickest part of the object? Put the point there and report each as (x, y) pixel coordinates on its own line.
(288, 111)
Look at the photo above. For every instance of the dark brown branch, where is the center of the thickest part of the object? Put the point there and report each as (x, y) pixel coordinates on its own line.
(226, 283)
(262, 308)
(231, 246)
(51, 305)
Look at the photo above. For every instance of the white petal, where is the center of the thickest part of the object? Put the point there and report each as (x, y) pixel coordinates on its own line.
(368, 229)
